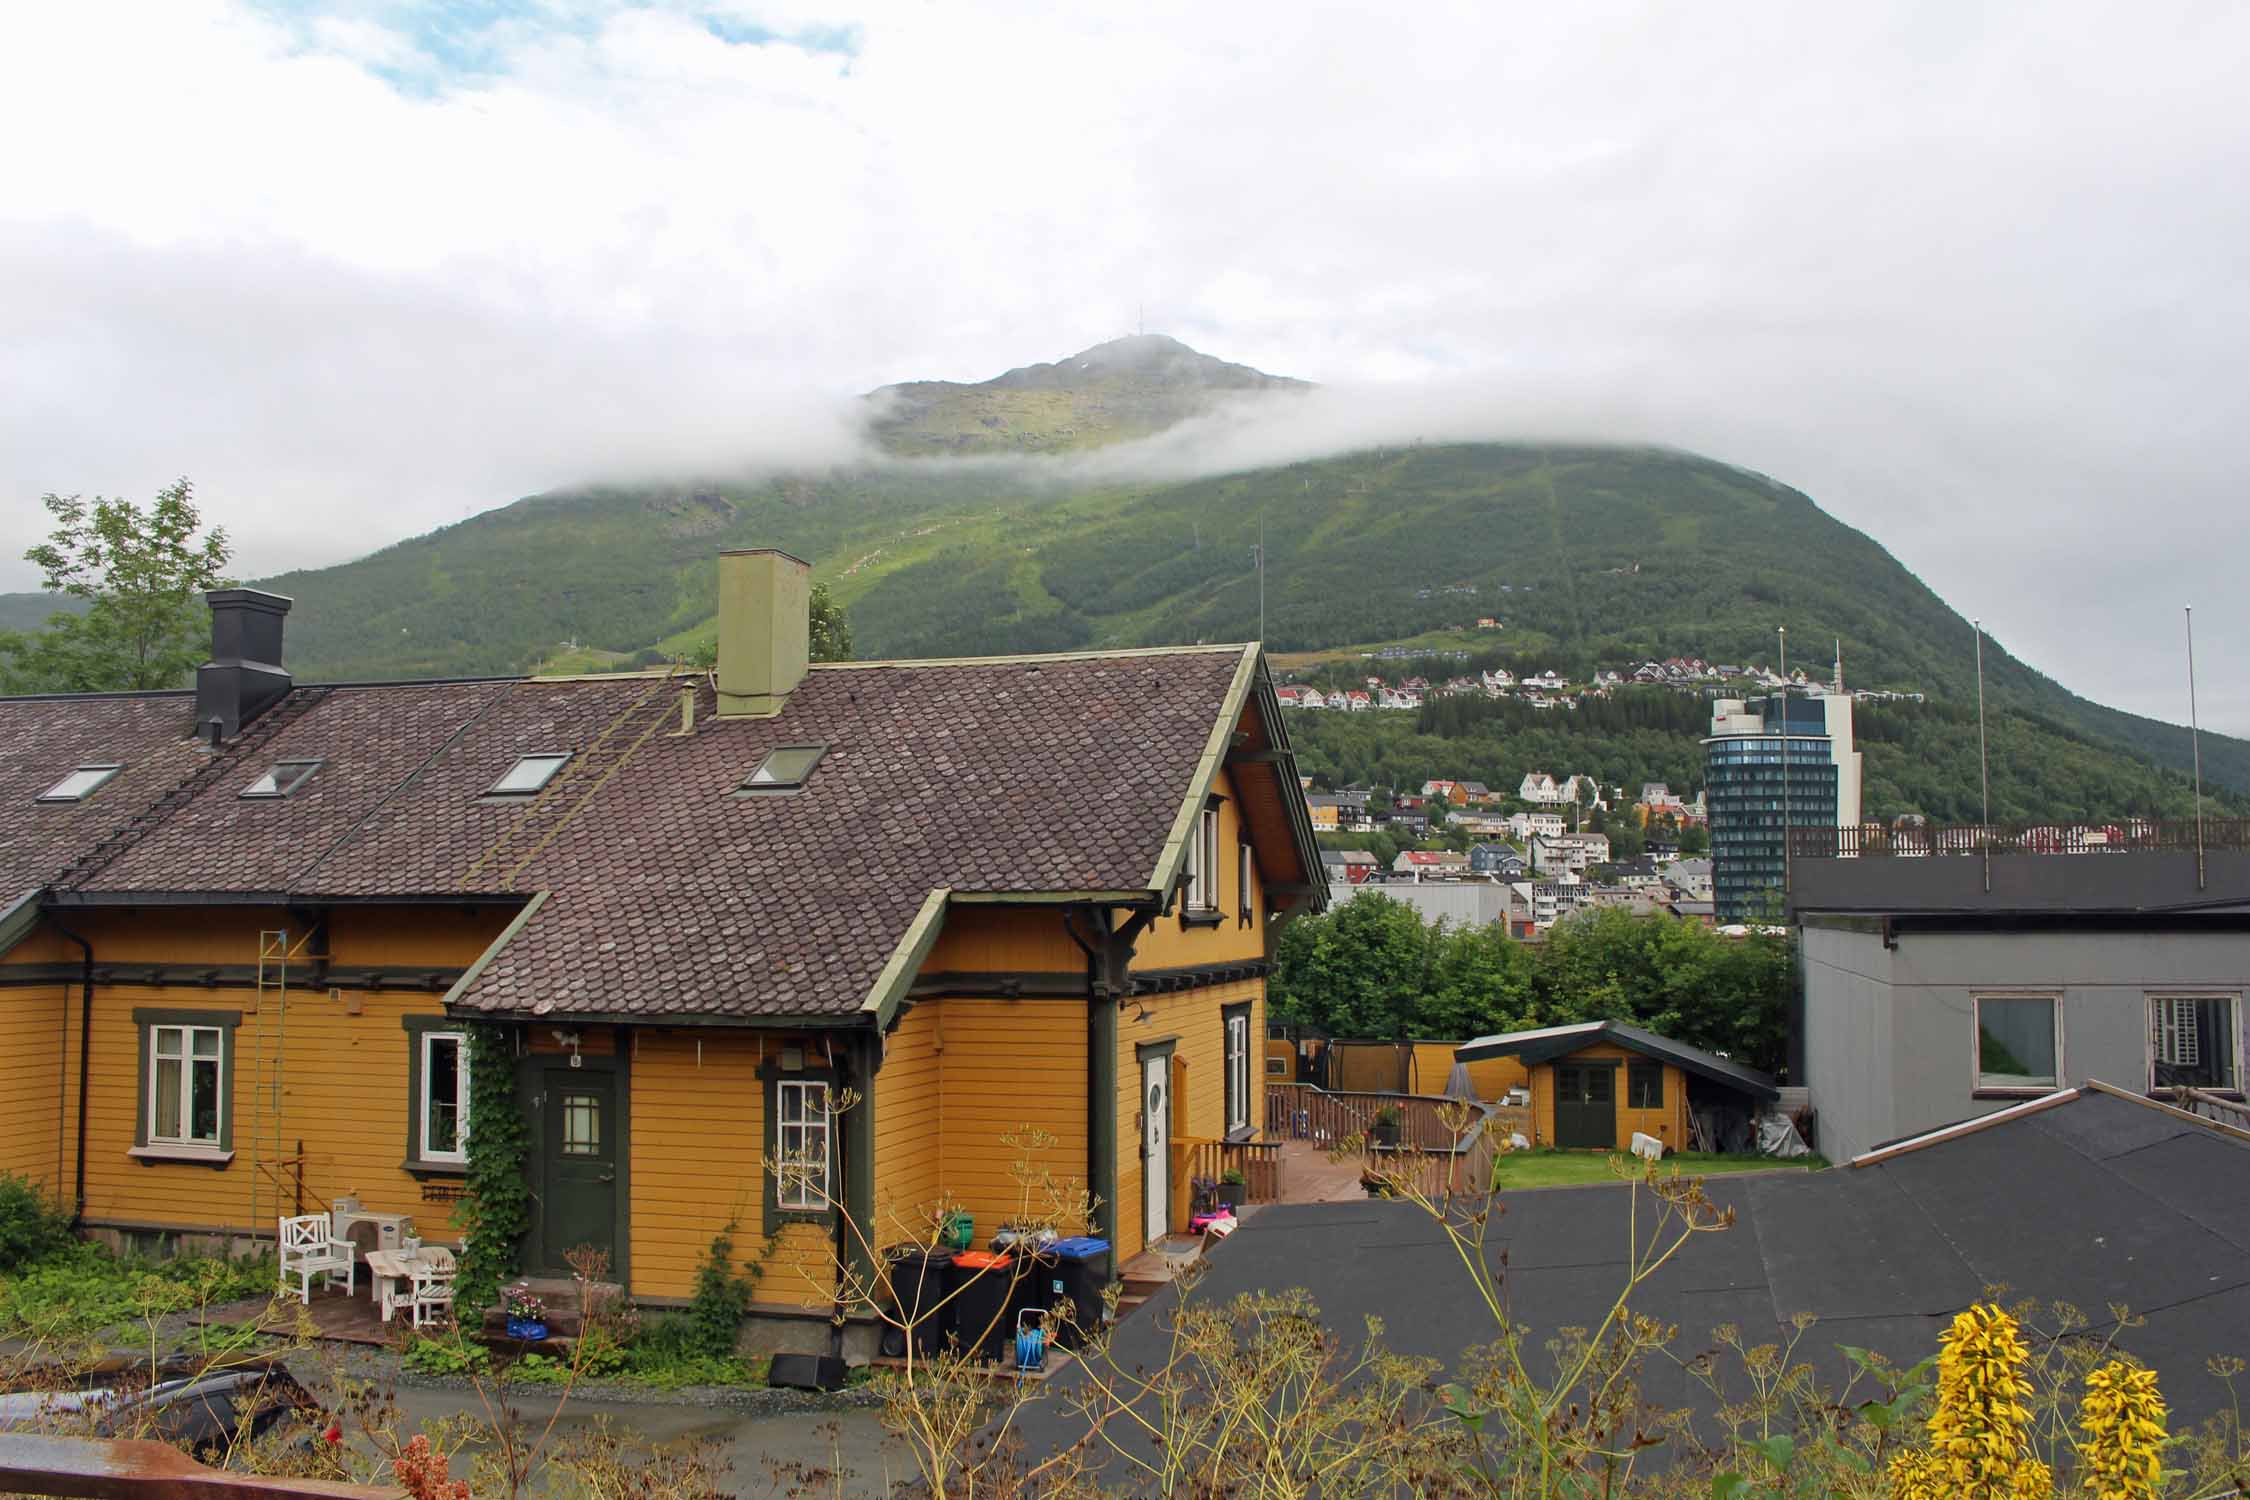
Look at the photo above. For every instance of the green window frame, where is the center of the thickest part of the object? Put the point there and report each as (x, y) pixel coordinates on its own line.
(1644, 1085)
(421, 1032)
(784, 1208)
(173, 1047)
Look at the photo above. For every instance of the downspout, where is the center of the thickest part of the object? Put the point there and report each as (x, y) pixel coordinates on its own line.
(839, 1233)
(85, 1060)
(1101, 1080)
(855, 1165)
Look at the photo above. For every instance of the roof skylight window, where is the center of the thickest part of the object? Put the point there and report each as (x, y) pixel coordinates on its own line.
(281, 778)
(81, 783)
(784, 769)
(530, 774)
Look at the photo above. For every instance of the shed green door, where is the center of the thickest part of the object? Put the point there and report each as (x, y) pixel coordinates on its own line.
(1586, 1106)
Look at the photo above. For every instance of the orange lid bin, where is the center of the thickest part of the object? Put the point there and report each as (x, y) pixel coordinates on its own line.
(980, 1260)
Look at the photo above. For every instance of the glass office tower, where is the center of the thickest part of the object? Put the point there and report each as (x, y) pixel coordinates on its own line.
(1784, 761)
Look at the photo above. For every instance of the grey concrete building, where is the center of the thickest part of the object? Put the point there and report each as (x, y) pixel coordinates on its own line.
(1457, 903)
(1934, 994)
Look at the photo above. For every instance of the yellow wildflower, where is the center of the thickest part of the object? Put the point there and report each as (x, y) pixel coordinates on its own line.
(2031, 1481)
(1978, 1426)
(1915, 1474)
(2122, 1417)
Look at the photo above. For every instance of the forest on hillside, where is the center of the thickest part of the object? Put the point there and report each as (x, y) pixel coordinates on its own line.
(1920, 758)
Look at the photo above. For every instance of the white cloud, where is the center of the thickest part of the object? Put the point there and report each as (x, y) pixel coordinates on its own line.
(1968, 276)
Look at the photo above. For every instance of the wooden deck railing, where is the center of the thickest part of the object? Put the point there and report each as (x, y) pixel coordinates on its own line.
(36, 1464)
(1302, 1112)
(1462, 1168)
(1259, 1162)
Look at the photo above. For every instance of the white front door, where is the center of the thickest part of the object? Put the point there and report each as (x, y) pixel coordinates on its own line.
(1156, 1155)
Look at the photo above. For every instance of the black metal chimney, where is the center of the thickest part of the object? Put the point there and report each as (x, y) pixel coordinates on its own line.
(244, 677)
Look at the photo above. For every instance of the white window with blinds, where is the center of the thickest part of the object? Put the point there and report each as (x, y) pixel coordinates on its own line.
(2195, 1042)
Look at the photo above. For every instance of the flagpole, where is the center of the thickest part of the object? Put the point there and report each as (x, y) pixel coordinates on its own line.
(1984, 763)
(2195, 742)
(1783, 632)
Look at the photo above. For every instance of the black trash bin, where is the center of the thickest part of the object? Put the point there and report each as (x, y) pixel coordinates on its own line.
(918, 1281)
(983, 1287)
(1080, 1273)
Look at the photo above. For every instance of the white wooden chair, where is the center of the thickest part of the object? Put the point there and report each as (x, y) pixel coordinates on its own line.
(433, 1289)
(309, 1248)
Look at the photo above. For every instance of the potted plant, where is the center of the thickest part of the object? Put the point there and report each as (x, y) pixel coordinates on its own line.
(1383, 1133)
(527, 1315)
(1232, 1188)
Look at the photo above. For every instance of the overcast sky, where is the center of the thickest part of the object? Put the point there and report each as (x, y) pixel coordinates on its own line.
(1972, 276)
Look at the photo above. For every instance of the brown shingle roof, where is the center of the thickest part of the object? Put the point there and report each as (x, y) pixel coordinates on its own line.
(43, 739)
(669, 895)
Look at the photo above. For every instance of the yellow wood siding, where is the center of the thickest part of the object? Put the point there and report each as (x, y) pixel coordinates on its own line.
(698, 1160)
(909, 1134)
(325, 1068)
(1167, 944)
(1429, 1067)
(1668, 1124)
(304, 1071)
(1194, 1019)
(1492, 1077)
(31, 1084)
(1003, 939)
(1009, 1065)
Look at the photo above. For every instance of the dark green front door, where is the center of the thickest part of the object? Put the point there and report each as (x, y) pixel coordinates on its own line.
(1586, 1106)
(580, 1151)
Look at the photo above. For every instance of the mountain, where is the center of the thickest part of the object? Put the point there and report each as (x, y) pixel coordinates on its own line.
(1588, 556)
(30, 611)
(1126, 388)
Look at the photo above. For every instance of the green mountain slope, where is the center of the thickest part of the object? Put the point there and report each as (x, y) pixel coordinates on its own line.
(1588, 556)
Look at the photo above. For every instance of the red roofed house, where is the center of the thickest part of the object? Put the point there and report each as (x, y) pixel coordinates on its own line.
(256, 937)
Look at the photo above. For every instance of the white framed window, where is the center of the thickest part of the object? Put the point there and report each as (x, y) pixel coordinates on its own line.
(1242, 879)
(1203, 863)
(444, 1105)
(2018, 1042)
(2195, 1041)
(1238, 1071)
(186, 1086)
(802, 1123)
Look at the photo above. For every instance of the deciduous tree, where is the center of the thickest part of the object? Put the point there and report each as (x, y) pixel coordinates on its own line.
(143, 574)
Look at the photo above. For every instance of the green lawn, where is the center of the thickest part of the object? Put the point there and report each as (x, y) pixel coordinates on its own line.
(1547, 1168)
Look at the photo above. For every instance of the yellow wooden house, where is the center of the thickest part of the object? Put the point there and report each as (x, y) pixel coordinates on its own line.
(918, 929)
(1596, 1084)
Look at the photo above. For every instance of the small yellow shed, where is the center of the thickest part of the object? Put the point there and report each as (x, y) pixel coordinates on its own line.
(1596, 1083)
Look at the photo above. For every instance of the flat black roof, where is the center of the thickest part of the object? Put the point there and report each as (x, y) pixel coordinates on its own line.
(2143, 884)
(2097, 1201)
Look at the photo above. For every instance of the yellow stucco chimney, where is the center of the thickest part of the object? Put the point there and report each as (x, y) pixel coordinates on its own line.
(765, 630)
